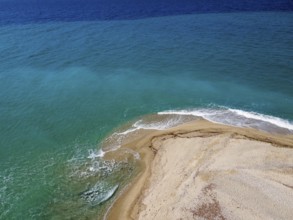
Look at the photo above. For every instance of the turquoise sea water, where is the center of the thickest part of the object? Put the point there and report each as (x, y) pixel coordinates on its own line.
(65, 87)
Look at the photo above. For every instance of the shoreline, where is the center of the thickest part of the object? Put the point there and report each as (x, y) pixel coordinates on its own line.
(140, 194)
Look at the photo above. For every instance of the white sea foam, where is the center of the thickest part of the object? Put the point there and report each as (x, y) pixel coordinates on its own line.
(95, 154)
(267, 118)
(160, 125)
(140, 124)
(157, 125)
(130, 130)
(234, 117)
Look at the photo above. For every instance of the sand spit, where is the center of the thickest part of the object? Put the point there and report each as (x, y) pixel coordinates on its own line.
(202, 170)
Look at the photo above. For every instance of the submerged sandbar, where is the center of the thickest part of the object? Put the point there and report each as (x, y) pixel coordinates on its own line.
(202, 170)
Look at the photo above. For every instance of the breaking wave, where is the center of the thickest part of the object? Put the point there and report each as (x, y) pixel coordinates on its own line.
(239, 118)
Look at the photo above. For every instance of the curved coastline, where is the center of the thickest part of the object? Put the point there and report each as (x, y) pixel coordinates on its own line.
(138, 198)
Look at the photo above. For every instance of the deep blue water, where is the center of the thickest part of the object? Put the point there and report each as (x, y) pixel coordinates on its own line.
(71, 72)
(28, 11)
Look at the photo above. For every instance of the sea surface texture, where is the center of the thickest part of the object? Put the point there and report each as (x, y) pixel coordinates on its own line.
(71, 72)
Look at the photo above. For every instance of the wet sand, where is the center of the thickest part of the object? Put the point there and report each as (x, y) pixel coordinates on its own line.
(202, 170)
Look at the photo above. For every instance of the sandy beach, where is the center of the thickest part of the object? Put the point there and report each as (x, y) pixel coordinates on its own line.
(202, 170)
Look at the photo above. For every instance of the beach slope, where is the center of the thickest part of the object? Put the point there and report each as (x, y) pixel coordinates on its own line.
(202, 170)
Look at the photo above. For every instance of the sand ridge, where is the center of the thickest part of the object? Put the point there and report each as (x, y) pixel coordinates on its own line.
(202, 170)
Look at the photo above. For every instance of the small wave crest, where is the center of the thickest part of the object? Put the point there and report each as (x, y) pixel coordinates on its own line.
(153, 123)
(94, 165)
(139, 128)
(158, 125)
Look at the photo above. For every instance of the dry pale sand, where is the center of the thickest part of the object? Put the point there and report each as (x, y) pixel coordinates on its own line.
(203, 170)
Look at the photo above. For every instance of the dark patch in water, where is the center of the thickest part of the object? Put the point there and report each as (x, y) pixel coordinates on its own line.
(98, 195)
